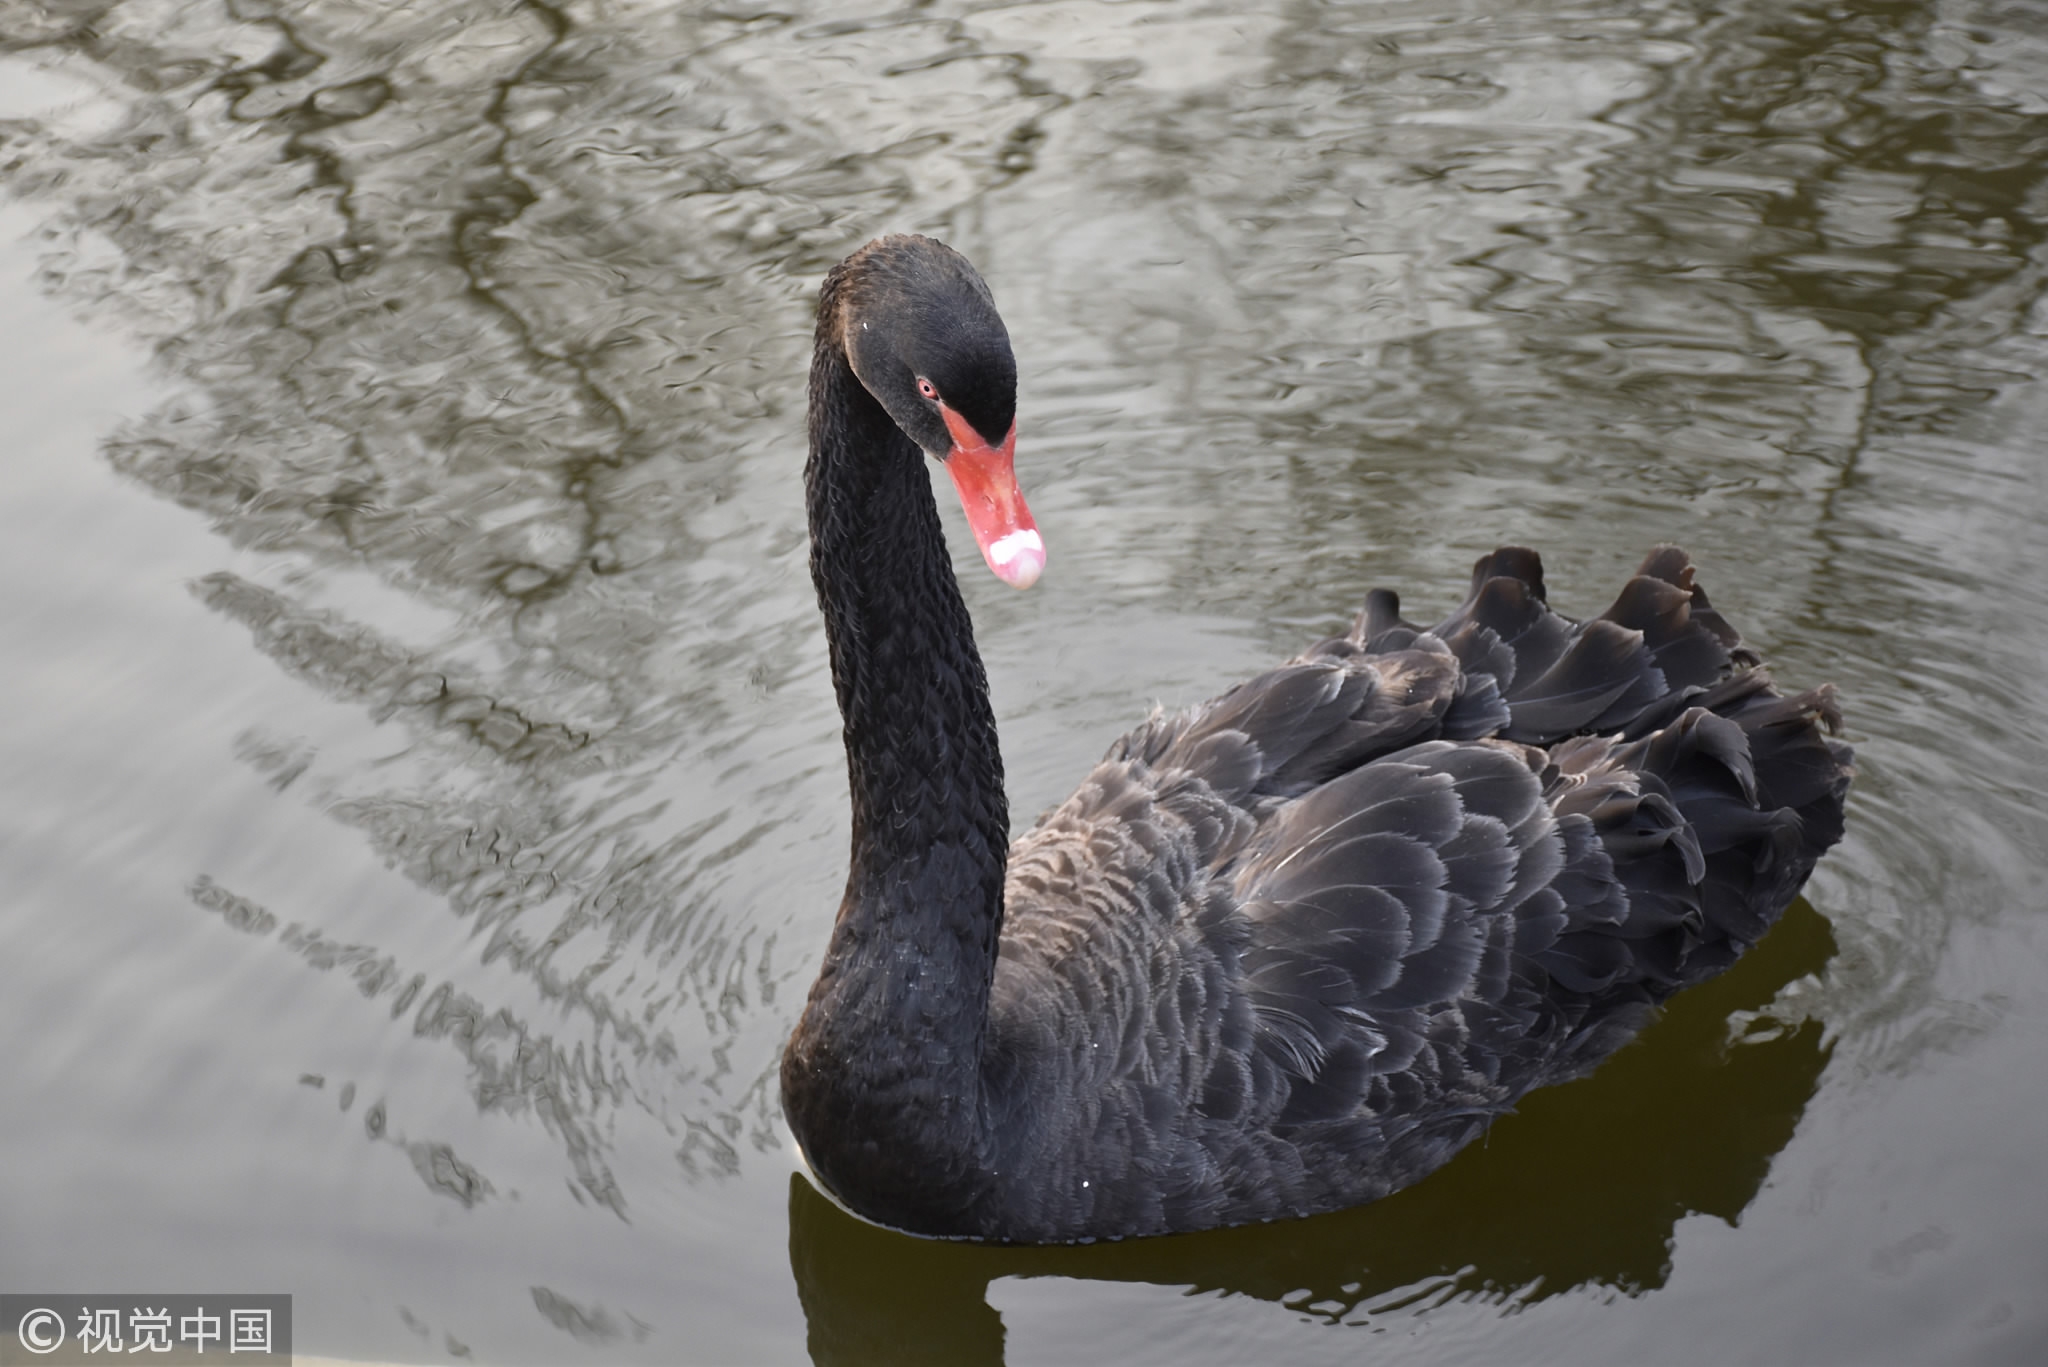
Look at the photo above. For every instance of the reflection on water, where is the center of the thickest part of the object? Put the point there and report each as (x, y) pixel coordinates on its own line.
(487, 324)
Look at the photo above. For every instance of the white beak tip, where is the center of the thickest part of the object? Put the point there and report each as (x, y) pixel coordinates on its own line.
(1017, 559)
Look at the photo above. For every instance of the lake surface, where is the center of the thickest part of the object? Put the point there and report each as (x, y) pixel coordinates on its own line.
(423, 810)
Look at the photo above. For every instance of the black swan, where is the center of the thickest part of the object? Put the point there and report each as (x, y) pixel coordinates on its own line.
(1281, 953)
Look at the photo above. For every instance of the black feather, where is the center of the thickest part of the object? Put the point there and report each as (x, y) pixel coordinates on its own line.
(1281, 953)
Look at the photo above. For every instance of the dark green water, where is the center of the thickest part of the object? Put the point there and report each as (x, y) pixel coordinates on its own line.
(423, 809)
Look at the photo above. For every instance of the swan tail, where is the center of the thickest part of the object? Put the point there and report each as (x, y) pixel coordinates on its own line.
(1709, 826)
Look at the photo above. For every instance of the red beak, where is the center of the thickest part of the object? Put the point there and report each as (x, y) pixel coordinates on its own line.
(986, 478)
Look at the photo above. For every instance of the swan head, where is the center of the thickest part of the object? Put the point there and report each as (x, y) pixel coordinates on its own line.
(921, 331)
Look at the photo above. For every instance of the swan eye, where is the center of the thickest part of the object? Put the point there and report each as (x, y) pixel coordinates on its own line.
(927, 389)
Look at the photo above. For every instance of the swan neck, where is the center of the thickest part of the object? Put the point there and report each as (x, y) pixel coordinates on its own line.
(882, 1081)
(923, 763)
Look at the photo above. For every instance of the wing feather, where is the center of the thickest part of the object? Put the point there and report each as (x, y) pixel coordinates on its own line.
(1295, 946)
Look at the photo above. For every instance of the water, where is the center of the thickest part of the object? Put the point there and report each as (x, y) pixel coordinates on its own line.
(423, 809)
